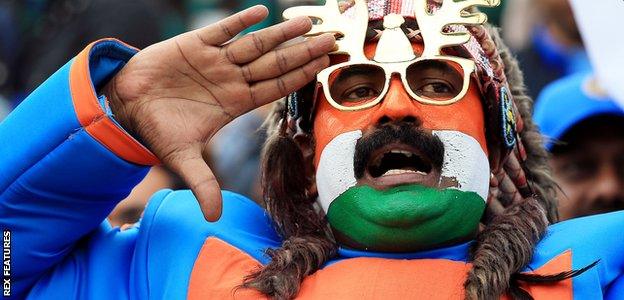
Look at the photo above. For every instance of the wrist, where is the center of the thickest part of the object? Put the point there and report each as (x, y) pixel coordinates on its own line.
(118, 108)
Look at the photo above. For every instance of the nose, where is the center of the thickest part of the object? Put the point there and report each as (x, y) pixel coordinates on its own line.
(397, 105)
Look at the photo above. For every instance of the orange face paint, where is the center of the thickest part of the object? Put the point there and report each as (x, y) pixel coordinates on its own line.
(465, 116)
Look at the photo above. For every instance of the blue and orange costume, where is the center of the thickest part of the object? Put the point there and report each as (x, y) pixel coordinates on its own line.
(66, 163)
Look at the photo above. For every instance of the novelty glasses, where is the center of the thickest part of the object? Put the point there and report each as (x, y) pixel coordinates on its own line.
(439, 80)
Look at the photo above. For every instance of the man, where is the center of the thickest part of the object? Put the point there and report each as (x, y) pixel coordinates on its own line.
(65, 26)
(376, 175)
(587, 143)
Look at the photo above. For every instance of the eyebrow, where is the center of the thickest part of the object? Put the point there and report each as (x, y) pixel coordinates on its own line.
(438, 65)
(354, 70)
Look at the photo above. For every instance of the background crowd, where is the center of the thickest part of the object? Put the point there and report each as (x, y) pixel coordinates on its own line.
(581, 123)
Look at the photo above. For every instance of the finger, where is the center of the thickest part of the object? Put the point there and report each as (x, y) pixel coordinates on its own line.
(494, 208)
(266, 91)
(257, 43)
(190, 165)
(516, 173)
(281, 61)
(226, 29)
(510, 191)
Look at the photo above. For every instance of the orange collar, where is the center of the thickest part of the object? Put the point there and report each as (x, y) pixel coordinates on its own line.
(220, 269)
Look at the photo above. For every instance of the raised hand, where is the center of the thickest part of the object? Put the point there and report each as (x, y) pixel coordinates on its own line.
(175, 95)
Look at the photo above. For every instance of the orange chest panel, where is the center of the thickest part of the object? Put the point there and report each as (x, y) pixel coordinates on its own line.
(220, 268)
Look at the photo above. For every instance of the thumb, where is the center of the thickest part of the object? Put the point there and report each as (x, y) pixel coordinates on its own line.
(191, 166)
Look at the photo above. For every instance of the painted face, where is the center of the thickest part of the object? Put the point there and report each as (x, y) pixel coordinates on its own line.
(402, 175)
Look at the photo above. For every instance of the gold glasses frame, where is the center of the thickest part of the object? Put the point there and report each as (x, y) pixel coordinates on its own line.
(400, 68)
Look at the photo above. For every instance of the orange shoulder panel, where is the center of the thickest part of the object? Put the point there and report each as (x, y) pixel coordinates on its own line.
(561, 290)
(95, 121)
(220, 269)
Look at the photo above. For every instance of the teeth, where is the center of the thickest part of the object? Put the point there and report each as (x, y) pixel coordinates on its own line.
(406, 153)
(402, 171)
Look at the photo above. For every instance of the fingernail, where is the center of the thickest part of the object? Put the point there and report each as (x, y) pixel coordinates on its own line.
(327, 39)
(302, 21)
(259, 9)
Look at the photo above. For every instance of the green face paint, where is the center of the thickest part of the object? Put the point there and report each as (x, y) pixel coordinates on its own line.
(405, 218)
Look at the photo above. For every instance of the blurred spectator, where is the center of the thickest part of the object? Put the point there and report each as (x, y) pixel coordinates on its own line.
(8, 42)
(45, 34)
(236, 151)
(5, 108)
(129, 210)
(585, 129)
(555, 48)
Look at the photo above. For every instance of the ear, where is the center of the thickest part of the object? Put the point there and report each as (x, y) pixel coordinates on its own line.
(305, 142)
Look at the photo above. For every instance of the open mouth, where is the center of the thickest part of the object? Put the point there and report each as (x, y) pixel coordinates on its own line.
(395, 162)
(398, 164)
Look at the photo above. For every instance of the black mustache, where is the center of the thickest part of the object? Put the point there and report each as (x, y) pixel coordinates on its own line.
(429, 146)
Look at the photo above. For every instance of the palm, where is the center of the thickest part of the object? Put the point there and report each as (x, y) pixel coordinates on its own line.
(176, 94)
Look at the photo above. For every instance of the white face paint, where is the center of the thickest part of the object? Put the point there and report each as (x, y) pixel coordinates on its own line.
(335, 173)
(464, 162)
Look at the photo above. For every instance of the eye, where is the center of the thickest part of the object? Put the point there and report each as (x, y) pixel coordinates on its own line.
(435, 79)
(436, 88)
(360, 92)
(578, 169)
(354, 84)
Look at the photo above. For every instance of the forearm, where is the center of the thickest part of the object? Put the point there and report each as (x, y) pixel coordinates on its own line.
(65, 163)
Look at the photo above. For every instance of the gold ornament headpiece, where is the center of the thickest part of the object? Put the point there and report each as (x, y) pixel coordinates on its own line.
(436, 23)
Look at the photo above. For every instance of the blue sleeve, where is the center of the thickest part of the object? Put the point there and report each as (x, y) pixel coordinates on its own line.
(98, 268)
(65, 164)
